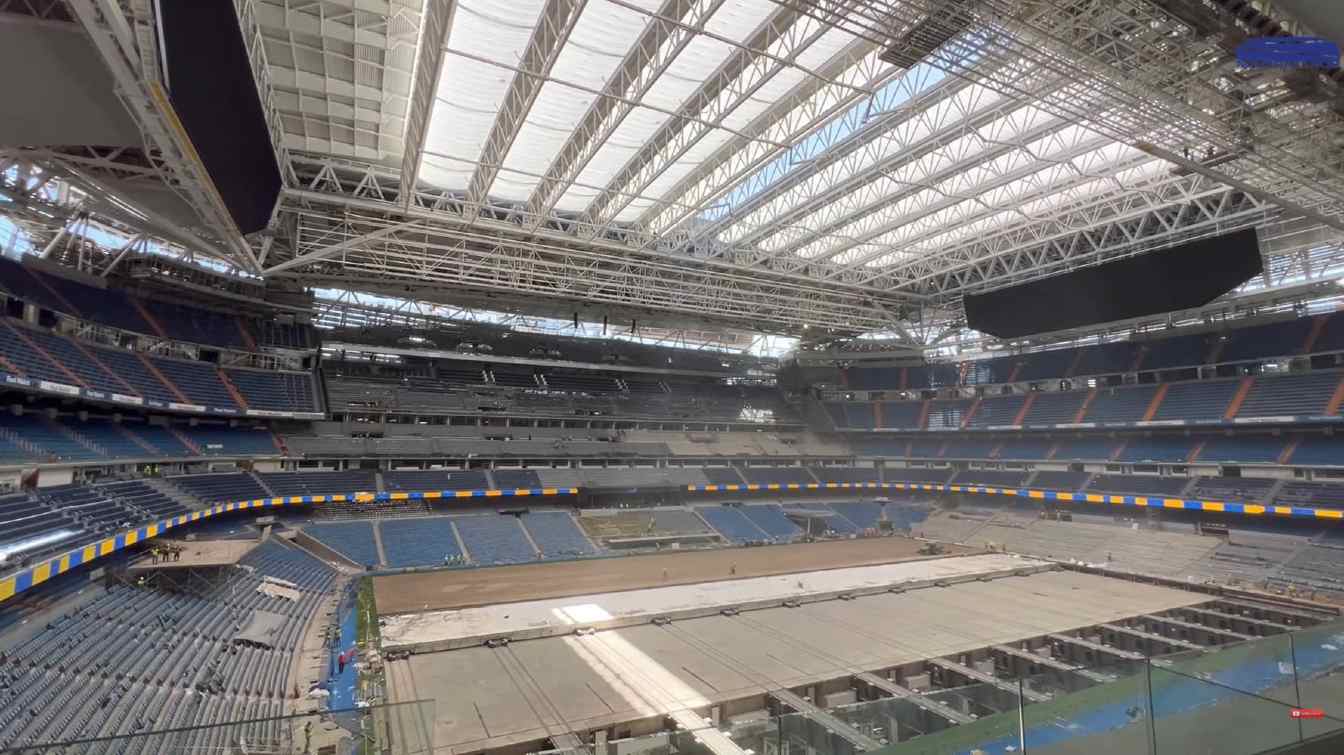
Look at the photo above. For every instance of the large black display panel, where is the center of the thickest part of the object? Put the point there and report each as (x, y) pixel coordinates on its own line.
(211, 89)
(1181, 277)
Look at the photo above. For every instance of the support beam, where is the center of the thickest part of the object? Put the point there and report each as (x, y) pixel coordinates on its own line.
(1188, 626)
(975, 675)
(861, 742)
(1051, 662)
(1292, 207)
(1096, 647)
(337, 248)
(434, 26)
(553, 27)
(944, 711)
(1147, 636)
(121, 255)
(1205, 615)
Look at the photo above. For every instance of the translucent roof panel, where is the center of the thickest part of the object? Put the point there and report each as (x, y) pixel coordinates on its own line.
(581, 70)
(470, 91)
(678, 83)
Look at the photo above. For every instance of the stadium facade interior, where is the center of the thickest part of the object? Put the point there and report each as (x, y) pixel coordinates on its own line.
(621, 376)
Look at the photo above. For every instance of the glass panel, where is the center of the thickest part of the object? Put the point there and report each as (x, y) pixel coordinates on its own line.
(1103, 714)
(1262, 667)
(1193, 716)
(1319, 656)
(988, 716)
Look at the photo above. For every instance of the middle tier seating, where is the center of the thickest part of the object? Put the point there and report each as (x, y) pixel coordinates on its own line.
(1145, 485)
(319, 483)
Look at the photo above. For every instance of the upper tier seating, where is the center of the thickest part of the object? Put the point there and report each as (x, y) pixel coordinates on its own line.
(969, 448)
(275, 391)
(1202, 400)
(1259, 341)
(1055, 408)
(1061, 481)
(923, 448)
(117, 309)
(422, 541)
(1106, 359)
(947, 414)
(557, 535)
(580, 381)
(198, 381)
(221, 488)
(495, 539)
(1169, 353)
(732, 524)
(997, 411)
(900, 414)
(129, 366)
(777, 476)
(1159, 449)
(1120, 404)
(1085, 449)
(319, 483)
(1242, 450)
(424, 480)
(1025, 449)
(1290, 395)
(1319, 451)
(1139, 485)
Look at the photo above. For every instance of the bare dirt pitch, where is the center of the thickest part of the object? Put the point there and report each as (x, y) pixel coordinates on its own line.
(461, 588)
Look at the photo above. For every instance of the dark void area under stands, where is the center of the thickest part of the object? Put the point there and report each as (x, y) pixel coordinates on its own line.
(1182, 277)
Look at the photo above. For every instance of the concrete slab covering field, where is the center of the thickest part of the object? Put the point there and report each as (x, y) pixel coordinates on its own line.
(441, 630)
(531, 689)
(456, 588)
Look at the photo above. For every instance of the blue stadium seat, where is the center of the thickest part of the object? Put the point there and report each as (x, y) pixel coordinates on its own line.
(354, 540)
(770, 519)
(426, 541)
(1290, 395)
(1160, 449)
(424, 480)
(494, 539)
(732, 524)
(557, 535)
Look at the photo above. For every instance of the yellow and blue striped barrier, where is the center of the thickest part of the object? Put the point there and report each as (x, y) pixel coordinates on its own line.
(60, 564)
(1222, 507)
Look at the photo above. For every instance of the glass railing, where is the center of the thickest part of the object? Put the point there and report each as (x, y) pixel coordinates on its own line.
(1236, 699)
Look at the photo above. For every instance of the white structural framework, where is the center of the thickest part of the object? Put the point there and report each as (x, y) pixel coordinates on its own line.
(838, 164)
